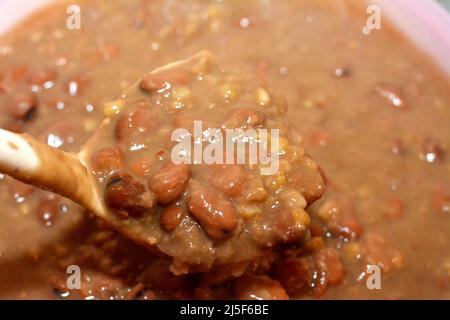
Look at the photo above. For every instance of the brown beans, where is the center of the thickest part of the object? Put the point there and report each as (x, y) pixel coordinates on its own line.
(171, 217)
(294, 275)
(23, 106)
(229, 179)
(329, 263)
(108, 159)
(128, 196)
(308, 179)
(152, 83)
(142, 167)
(244, 118)
(170, 182)
(216, 215)
(138, 121)
(258, 288)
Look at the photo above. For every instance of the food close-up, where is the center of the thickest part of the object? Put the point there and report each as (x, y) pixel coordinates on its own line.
(224, 150)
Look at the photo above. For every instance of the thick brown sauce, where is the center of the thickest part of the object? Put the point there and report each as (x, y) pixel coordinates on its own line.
(387, 167)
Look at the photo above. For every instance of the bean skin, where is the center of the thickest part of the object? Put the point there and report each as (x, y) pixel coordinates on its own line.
(170, 182)
(124, 193)
(171, 217)
(216, 215)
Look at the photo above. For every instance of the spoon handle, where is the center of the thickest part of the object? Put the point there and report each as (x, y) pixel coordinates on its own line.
(28, 160)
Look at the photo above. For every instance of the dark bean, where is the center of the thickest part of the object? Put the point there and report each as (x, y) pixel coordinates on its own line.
(229, 179)
(171, 217)
(308, 179)
(170, 182)
(216, 215)
(23, 106)
(124, 193)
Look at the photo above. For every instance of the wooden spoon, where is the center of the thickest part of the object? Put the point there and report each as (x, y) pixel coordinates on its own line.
(33, 162)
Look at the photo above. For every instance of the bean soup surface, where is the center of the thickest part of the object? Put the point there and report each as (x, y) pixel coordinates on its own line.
(372, 111)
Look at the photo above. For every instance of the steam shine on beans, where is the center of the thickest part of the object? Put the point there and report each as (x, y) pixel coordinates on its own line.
(171, 217)
(217, 216)
(170, 182)
(23, 106)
